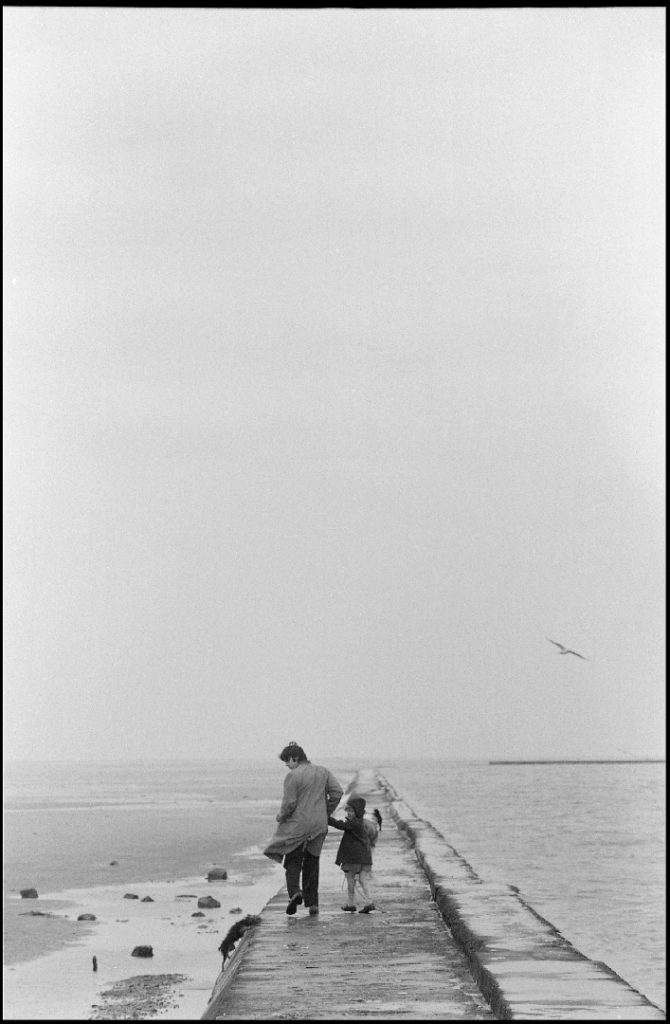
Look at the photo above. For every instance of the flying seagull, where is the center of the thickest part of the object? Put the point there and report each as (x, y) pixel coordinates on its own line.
(566, 650)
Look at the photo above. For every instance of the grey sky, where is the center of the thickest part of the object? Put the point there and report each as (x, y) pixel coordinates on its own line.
(334, 382)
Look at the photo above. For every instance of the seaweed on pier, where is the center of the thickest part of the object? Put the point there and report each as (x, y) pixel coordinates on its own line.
(235, 933)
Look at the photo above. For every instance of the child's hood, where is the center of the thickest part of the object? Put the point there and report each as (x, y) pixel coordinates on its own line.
(358, 805)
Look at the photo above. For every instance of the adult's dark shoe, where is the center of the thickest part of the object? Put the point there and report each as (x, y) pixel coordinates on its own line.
(349, 910)
(313, 911)
(367, 908)
(294, 903)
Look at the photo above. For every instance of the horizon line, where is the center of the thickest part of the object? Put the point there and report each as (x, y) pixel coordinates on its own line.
(337, 756)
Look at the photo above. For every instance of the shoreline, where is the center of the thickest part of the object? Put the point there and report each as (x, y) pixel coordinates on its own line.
(227, 825)
(175, 983)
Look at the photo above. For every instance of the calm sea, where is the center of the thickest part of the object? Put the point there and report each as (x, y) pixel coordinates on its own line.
(584, 843)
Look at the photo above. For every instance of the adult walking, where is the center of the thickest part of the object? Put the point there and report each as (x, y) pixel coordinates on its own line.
(311, 794)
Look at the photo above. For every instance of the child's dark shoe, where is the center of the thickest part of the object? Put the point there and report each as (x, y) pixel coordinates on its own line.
(349, 910)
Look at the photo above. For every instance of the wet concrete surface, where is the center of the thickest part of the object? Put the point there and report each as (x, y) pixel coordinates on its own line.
(399, 962)
(442, 945)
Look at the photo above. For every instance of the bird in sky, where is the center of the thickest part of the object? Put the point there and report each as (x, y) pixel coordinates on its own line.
(566, 650)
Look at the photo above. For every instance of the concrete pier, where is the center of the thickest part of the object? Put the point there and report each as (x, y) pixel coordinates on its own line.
(523, 965)
(442, 945)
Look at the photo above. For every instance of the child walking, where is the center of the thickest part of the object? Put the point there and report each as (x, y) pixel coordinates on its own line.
(354, 854)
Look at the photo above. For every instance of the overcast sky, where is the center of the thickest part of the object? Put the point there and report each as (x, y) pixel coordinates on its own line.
(334, 382)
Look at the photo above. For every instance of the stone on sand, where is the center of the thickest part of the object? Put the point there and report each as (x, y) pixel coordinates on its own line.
(208, 901)
(217, 874)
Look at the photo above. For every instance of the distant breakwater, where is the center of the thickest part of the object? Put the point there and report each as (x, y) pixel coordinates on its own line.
(641, 760)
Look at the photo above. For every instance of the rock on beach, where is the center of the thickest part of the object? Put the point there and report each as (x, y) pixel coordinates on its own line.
(217, 874)
(208, 901)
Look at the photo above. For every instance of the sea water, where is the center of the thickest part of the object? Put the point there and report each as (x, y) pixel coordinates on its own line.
(583, 842)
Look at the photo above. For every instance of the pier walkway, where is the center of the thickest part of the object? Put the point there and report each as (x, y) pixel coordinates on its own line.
(442, 945)
(397, 963)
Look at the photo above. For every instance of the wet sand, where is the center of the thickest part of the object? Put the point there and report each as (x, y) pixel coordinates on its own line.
(175, 983)
(35, 927)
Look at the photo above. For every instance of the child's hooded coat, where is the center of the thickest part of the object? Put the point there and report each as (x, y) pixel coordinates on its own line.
(355, 845)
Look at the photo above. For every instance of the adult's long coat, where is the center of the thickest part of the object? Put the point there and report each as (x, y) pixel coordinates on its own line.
(311, 794)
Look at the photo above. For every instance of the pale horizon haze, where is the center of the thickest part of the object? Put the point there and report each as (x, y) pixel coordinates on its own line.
(334, 382)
